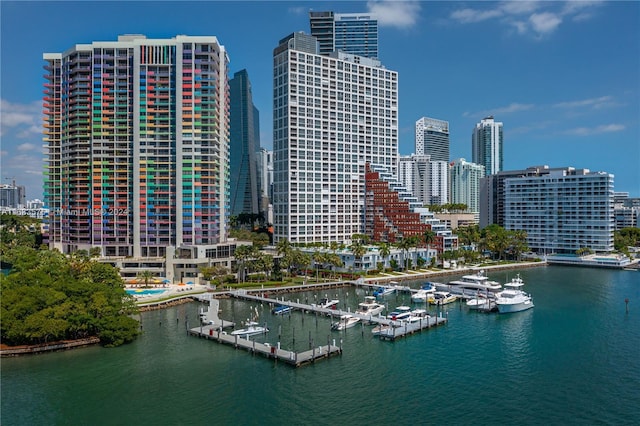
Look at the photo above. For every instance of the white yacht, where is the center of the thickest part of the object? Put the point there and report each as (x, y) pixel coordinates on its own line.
(471, 284)
(328, 303)
(370, 306)
(383, 291)
(512, 298)
(442, 298)
(252, 328)
(345, 321)
(422, 295)
(400, 313)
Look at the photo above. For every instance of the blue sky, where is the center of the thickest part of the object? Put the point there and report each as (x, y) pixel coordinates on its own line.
(563, 77)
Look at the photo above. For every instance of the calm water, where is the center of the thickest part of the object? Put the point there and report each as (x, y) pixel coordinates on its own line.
(573, 359)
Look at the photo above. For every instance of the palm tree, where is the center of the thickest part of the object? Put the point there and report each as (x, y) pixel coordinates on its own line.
(358, 250)
(145, 276)
(429, 237)
(385, 251)
(404, 244)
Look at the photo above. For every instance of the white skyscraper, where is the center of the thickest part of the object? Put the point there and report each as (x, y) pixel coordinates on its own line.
(427, 180)
(486, 145)
(332, 115)
(464, 180)
(432, 138)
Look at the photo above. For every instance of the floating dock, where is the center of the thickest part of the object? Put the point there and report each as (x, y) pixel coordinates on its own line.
(295, 359)
(396, 329)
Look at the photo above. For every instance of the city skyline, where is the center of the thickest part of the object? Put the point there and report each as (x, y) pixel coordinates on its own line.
(561, 76)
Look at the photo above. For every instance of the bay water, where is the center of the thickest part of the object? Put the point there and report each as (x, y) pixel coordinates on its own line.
(573, 359)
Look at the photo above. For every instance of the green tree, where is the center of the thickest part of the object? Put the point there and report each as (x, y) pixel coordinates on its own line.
(145, 276)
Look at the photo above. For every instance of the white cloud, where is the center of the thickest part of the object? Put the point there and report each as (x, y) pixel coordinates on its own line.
(511, 108)
(594, 103)
(604, 128)
(536, 18)
(22, 118)
(298, 10)
(26, 147)
(400, 14)
(544, 23)
(467, 16)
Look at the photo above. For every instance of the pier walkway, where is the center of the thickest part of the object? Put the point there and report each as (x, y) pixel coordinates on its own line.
(393, 329)
(295, 359)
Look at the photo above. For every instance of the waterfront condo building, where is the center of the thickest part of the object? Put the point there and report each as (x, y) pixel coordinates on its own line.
(137, 140)
(355, 33)
(562, 210)
(427, 180)
(332, 115)
(486, 145)
(464, 180)
(432, 138)
(244, 145)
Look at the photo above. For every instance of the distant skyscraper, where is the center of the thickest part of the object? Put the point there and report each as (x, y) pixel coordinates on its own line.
(432, 138)
(427, 180)
(464, 178)
(244, 143)
(332, 115)
(12, 195)
(137, 142)
(486, 145)
(354, 33)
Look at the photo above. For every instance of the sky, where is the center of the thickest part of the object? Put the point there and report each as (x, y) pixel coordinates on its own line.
(563, 77)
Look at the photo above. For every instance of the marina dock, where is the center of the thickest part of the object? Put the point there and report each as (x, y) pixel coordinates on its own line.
(396, 329)
(295, 359)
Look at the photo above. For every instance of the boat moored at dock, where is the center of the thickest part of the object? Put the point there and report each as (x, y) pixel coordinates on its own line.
(442, 298)
(345, 321)
(281, 310)
(471, 284)
(370, 306)
(512, 298)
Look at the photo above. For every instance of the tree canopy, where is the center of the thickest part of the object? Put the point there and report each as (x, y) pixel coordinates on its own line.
(48, 296)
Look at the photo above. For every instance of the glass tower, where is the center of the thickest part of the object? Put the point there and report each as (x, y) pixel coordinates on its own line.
(354, 33)
(245, 142)
(486, 145)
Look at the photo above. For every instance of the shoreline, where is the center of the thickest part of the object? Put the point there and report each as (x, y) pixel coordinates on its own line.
(181, 297)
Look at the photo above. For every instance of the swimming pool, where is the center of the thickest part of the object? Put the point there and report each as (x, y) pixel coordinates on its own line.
(145, 292)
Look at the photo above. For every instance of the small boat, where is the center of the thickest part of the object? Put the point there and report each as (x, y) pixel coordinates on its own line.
(417, 315)
(281, 309)
(327, 303)
(481, 303)
(252, 327)
(512, 298)
(442, 298)
(419, 296)
(383, 291)
(370, 306)
(400, 313)
(345, 321)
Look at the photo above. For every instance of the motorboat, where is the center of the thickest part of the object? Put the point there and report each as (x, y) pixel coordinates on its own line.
(252, 328)
(400, 313)
(417, 315)
(471, 284)
(442, 298)
(384, 291)
(281, 309)
(327, 303)
(420, 296)
(512, 298)
(345, 321)
(481, 303)
(370, 306)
